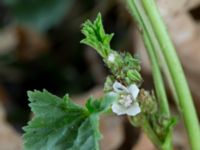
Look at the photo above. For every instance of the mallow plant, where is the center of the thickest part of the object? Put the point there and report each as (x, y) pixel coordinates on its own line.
(61, 124)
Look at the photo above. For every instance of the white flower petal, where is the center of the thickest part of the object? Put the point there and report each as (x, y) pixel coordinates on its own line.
(134, 90)
(133, 110)
(119, 88)
(118, 109)
(111, 58)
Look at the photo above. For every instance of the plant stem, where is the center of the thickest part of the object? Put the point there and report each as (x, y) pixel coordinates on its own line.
(151, 43)
(151, 134)
(176, 71)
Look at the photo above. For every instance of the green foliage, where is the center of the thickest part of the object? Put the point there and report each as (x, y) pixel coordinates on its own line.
(123, 66)
(60, 124)
(39, 14)
(96, 37)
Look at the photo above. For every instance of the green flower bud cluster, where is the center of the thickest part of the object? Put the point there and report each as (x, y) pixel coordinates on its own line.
(148, 102)
(159, 123)
(124, 67)
(149, 107)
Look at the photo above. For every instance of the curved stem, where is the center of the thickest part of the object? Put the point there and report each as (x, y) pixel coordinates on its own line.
(176, 71)
(152, 45)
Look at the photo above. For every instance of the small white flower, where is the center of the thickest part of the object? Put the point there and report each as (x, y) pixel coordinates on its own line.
(126, 103)
(111, 57)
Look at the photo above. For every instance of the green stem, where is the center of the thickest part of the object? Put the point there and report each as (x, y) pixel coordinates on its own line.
(176, 71)
(146, 127)
(151, 43)
(156, 48)
(158, 81)
(145, 25)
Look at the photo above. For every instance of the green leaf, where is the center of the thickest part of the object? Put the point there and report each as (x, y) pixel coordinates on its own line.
(96, 37)
(60, 124)
(39, 14)
(102, 105)
(171, 123)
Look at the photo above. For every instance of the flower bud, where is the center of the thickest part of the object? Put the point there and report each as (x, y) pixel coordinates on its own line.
(147, 102)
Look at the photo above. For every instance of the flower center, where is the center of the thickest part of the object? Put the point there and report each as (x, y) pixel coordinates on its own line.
(125, 100)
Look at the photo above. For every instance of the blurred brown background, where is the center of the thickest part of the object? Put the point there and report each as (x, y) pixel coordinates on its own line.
(39, 48)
